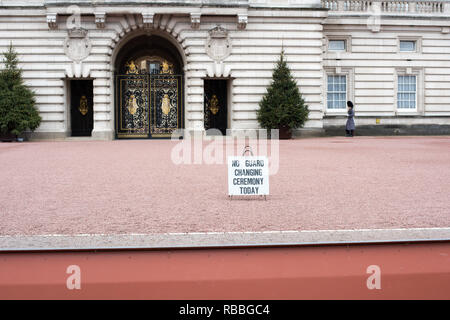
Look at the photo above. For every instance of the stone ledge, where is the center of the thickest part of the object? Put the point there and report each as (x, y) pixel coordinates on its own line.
(102, 135)
(308, 133)
(219, 239)
(35, 136)
(391, 130)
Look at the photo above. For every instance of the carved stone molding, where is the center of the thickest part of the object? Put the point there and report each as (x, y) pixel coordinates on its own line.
(77, 45)
(195, 20)
(51, 20)
(147, 19)
(100, 18)
(77, 33)
(242, 20)
(218, 44)
(78, 70)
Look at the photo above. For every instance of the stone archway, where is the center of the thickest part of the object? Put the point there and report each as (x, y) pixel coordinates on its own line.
(149, 83)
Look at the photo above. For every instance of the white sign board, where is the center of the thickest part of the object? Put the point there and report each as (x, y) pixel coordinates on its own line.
(248, 176)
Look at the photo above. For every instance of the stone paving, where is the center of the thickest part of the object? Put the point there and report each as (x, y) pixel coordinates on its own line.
(133, 187)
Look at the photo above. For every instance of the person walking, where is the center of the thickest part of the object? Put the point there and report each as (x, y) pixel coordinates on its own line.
(350, 125)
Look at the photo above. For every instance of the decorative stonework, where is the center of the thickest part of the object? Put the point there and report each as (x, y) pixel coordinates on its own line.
(147, 19)
(374, 21)
(389, 7)
(77, 45)
(51, 20)
(242, 20)
(100, 18)
(218, 44)
(195, 20)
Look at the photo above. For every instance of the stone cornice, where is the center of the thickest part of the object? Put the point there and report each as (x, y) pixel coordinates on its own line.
(147, 3)
(399, 8)
(257, 4)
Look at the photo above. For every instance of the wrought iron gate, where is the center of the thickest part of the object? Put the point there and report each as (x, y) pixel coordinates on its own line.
(148, 105)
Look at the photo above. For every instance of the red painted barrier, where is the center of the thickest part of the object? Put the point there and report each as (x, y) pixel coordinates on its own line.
(407, 271)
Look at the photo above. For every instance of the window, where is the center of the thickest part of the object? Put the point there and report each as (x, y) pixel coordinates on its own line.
(407, 46)
(154, 67)
(338, 84)
(337, 92)
(407, 92)
(336, 45)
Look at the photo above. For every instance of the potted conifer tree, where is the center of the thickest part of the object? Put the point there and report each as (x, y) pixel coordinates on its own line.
(282, 107)
(17, 102)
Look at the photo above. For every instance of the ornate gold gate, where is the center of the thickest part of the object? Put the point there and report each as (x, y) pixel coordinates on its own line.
(149, 105)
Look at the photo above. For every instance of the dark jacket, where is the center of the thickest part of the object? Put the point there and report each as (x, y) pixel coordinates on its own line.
(350, 125)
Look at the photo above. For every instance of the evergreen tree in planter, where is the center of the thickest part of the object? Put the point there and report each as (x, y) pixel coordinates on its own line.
(282, 107)
(17, 111)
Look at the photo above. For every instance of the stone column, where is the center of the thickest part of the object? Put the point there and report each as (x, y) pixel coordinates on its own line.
(103, 110)
(193, 101)
(446, 8)
(412, 6)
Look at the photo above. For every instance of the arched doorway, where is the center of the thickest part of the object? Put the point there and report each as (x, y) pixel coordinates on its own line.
(149, 88)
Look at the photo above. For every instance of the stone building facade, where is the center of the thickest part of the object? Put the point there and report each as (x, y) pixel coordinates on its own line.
(140, 69)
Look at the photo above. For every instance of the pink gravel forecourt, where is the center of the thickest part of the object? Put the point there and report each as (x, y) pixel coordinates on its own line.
(132, 186)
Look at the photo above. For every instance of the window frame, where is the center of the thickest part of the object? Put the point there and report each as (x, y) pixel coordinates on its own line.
(347, 43)
(418, 73)
(407, 92)
(337, 50)
(337, 92)
(348, 72)
(405, 41)
(416, 39)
